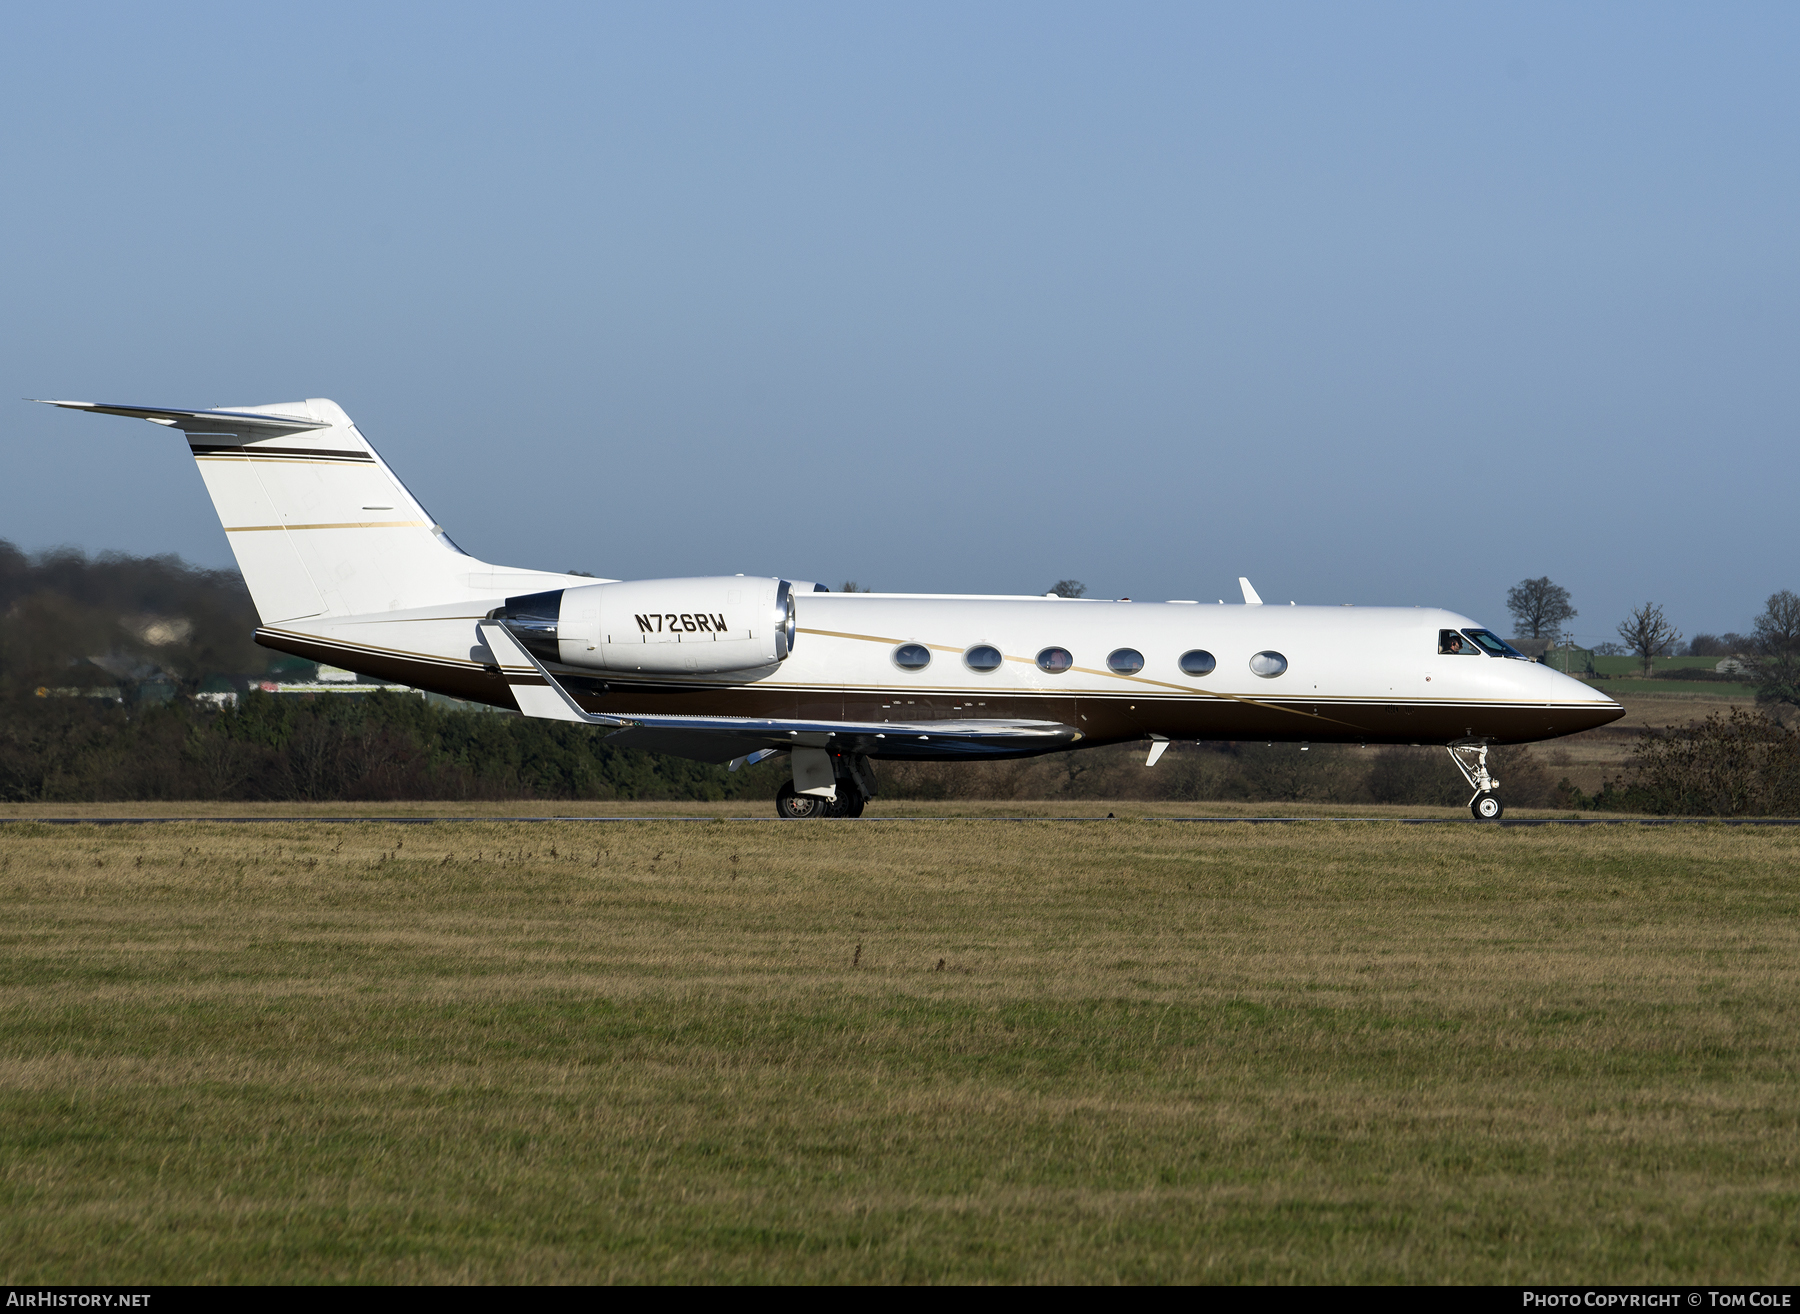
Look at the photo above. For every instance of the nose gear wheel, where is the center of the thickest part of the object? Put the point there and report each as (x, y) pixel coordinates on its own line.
(1470, 756)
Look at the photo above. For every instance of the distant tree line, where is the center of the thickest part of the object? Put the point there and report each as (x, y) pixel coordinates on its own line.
(380, 746)
(69, 619)
(387, 746)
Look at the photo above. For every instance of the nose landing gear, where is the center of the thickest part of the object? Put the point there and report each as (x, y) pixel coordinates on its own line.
(1470, 756)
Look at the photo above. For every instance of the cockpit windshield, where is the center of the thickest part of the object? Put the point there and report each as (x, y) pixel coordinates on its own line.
(1473, 643)
(1494, 646)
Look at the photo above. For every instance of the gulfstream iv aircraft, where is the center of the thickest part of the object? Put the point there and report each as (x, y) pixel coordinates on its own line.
(346, 567)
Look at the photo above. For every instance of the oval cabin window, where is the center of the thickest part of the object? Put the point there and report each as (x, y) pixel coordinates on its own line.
(1054, 661)
(1197, 662)
(1125, 661)
(1268, 665)
(912, 656)
(982, 657)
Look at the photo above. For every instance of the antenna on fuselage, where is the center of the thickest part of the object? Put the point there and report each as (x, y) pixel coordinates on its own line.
(1250, 598)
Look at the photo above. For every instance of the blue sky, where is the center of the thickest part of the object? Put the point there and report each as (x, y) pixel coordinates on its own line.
(1375, 303)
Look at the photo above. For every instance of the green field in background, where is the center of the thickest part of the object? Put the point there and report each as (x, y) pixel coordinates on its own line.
(1631, 665)
(1716, 688)
(945, 1051)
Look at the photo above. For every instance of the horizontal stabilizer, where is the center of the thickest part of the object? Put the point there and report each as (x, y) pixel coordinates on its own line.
(257, 423)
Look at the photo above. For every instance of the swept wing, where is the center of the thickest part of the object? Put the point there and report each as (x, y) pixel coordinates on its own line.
(726, 738)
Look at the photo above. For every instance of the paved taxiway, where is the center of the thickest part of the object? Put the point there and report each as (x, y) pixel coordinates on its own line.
(880, 821)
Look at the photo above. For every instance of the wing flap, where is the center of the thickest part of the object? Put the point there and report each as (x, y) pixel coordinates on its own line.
(724, 738)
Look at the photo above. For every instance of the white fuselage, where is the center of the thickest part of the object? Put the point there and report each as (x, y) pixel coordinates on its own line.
(1352, 674)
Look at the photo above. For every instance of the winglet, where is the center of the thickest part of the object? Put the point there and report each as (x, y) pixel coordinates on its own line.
(548, 701)
(1250, 598)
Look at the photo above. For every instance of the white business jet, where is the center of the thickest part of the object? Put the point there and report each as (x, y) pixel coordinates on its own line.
(346, 567)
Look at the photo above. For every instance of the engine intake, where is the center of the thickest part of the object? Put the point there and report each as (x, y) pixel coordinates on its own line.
(708, 625)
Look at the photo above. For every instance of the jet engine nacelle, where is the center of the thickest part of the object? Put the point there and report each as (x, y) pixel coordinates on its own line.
(704, 626)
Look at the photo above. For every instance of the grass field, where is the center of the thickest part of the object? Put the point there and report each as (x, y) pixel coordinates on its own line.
(947, 1051)
(1634, 665)
(1619, 684)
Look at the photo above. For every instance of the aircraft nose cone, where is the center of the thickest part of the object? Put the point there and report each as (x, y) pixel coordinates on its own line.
(1599, 713)
(1579, 706)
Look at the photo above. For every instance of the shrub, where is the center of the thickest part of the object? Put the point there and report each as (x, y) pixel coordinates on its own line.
(1744, 764)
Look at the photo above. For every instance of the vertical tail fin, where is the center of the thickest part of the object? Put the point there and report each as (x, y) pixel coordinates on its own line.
(318, 519)
(319, 524)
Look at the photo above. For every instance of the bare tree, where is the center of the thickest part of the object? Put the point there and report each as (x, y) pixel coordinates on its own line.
(851, 586)
(1775, 650)
(1648, 634)
(1069, 588)
(1539, 608)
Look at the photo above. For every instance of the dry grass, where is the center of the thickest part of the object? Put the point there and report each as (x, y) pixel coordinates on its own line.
(957, 1051)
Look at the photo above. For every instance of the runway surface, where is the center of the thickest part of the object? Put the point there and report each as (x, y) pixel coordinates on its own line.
(881, 821)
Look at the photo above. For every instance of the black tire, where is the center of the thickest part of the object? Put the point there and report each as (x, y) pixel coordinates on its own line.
(1487, 807)
(850, 800)
(798, 807)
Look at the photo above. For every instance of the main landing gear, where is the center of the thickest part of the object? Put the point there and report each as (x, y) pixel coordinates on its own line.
(851, 785)
(793, 806)
(1470, 756)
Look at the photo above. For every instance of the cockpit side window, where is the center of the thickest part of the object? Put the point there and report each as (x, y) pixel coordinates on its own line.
(1452, 644)
(1493, 645)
